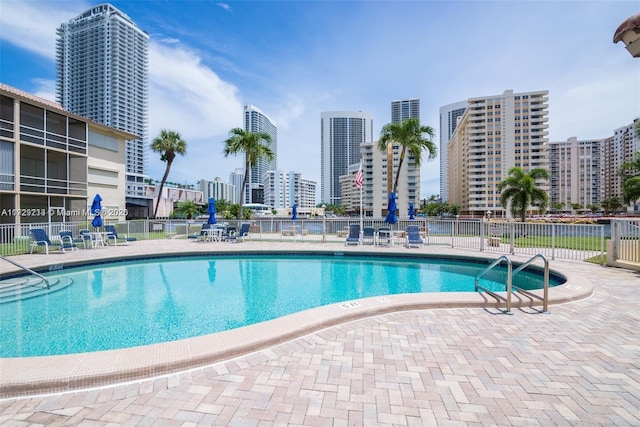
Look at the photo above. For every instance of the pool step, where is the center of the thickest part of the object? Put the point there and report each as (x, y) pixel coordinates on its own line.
(20, 288)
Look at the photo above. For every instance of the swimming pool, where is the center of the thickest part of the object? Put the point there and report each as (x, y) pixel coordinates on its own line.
(129, 304)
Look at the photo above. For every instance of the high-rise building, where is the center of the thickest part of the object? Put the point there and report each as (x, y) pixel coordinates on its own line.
(102, 70)
(494, 134)
(218, 190)
(616, 151)
(376, 173)
(449, 115)
(283, 189)
(256, 121)
(235, 179)
(574, 171)
(342, 132)
(405, 109)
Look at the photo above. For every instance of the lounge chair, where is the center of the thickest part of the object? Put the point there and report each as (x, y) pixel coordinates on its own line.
(39, 237)
(240, 235)
(368, 235)
(353, 238)
(413, 237)
(384, 236)
(68, 241)
(203, 235)
(86, 238)
(112, 235)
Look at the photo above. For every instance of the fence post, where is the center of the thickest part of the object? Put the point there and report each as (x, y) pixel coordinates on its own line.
(602, 246)
(512, 239)
(553, 241)
(482, 235)
(615, 236)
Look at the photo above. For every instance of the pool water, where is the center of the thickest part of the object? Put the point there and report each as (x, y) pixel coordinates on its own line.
(127, 304)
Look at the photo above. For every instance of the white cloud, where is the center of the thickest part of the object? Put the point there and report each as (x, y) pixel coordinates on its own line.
(34, 28)
(188, 97)
(225, 6)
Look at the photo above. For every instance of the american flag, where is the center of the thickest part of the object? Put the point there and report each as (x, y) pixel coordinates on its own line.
(358, 181)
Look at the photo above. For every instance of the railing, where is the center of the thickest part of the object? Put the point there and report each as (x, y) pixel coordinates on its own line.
(567, 241)
(27, 269)
(625, 240)
(545, 297)
(496, 263)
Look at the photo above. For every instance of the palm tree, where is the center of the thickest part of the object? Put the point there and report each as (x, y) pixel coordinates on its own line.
(631, 173)
(255, 146)
(188, 209)
(519, 190)
(412, 137)
(169, 143)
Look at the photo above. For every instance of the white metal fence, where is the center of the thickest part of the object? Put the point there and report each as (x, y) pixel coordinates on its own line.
(568, 241)
(625, 238)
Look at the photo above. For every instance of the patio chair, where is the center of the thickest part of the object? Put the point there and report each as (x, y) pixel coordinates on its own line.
(353, 238)
(368, 235)
(413, 237)
(86, 238)
(68, 241)
(240, 235)
(384, 236)
(203, 233)
(229, 233)
(39, 237)
(112, 234)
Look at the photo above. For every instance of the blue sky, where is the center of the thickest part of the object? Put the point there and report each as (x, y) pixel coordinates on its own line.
(296, 59)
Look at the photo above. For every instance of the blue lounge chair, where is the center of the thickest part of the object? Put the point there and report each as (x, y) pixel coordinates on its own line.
(39, 237)
(86, 238)
(368, 235)
(413, 237)
(203, 233)
(384, 236)
(112, 235)
(68, 241)
(239, 236)
(353, 238)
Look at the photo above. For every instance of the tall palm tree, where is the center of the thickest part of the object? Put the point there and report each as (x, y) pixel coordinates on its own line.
(631, 174)
(411, 136)
(255, 146)
(169, 144)
(520, 191)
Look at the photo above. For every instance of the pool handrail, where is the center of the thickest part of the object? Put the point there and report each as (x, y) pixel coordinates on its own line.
(545, 297)
(508, 284)
(27, 269)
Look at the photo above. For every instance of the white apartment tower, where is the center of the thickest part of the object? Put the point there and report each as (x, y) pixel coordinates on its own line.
(102, 71)
(574, 169)
(449, 115)
(403, 109)
(616, 151)
(218, 190)
(494, 134)
(342, 133)
(283, 189)
(256, 121)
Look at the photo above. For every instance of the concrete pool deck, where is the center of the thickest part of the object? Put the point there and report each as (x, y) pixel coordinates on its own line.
(404, 359)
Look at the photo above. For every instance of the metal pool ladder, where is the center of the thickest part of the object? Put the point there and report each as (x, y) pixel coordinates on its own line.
(545, 295)
(509, 281)
(27, 269)
(509, 284)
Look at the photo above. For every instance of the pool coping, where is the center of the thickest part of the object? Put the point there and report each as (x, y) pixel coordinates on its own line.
(27, 376)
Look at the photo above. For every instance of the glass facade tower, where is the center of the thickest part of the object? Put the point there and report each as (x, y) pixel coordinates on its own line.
(256, 121)
(102, 67)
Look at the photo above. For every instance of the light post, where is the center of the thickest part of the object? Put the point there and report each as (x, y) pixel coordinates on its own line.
(324, 229)
(488, 215)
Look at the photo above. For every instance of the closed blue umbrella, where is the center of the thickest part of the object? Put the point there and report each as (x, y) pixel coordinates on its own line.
(294, 214)
(96, 208)
(412, 211)
(212, 211)
(391, 209)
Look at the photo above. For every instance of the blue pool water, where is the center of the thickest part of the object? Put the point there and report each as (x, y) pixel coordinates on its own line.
(129, 304)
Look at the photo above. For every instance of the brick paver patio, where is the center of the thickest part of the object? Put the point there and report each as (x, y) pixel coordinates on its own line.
(577, 365)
